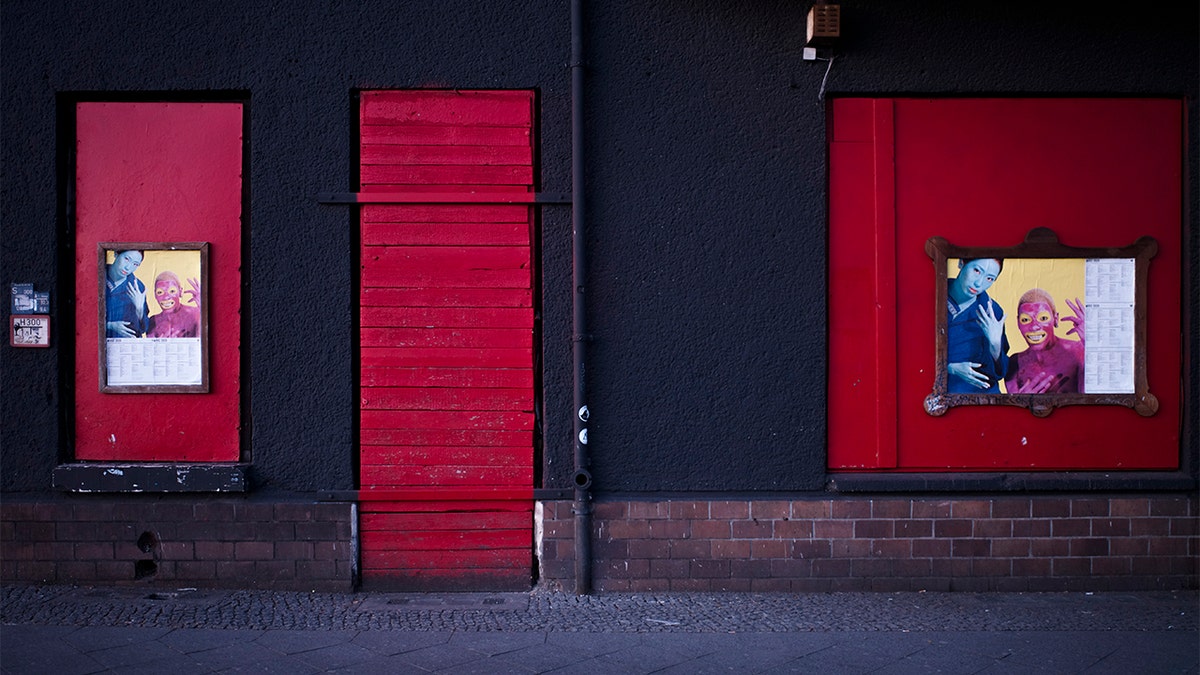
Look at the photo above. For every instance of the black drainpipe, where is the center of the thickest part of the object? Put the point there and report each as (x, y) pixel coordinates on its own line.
(582, 479)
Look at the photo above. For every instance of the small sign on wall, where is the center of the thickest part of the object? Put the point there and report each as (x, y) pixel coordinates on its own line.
(25, 300)
(29, 330)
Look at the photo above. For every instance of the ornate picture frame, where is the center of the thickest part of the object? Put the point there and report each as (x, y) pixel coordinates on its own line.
(1053, 368)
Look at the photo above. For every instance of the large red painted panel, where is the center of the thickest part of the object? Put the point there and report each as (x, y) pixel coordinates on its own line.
(160, 172)
(983, 172)
(446, 342)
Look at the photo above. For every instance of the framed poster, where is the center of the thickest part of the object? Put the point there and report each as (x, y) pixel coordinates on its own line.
(1041, 325)
(153, 317)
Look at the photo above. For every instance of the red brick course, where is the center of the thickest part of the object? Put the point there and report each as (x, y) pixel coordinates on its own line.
(203, 541)
(1002, 543)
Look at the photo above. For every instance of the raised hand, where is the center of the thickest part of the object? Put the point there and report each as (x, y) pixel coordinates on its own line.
(992, 326)
(138, 298)
(194, 291)
(1077, 320)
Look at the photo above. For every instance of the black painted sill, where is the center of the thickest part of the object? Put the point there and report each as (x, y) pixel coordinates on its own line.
(152, 478)
(1051, 481)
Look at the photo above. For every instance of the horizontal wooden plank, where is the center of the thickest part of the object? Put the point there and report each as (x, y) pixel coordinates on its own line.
(467, 537)
(448, 521)
(437, 419)
(369, 504)
(442, 437)
(445, 134)
(452, 562)
(460, 196)
(445, 357)
(442, 455)
(375, 476)
(474, 580)
(458, 107)
(447, 297)
(450, 175)
(446, 266)
(434, 398)
(447, 317)
(465, 258)
(461, 540)
(445, 234)
(445, 213)
(400, 277)
(450, 377)
(486, 378)
(455, 155)
(449, 338)
(515, 526)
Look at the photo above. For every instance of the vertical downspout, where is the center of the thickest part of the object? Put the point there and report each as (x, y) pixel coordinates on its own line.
(582, 478)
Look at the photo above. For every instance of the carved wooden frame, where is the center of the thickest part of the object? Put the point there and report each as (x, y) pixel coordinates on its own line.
(1041, 243)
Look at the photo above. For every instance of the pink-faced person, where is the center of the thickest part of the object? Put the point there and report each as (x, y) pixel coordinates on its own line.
(1050, 364)
(176, 319)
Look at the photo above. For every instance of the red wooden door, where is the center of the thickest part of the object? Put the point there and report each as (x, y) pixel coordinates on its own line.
(446, 340)
(983, 172)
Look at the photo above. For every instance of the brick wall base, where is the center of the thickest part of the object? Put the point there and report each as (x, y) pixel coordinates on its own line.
(176, 541)
(1005, 543)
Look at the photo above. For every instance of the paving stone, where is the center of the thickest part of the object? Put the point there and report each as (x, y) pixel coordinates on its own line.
(64, 629)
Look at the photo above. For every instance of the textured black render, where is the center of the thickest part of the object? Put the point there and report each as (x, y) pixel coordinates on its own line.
(706, 175)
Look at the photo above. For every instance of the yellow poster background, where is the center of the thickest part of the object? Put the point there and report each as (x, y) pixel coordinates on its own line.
(1062, 278)
(185, 265)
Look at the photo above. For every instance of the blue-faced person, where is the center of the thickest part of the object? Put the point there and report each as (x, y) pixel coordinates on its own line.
(976, 346)
(126, 313)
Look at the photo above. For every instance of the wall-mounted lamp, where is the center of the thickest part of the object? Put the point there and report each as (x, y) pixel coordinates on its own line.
(824, 25)
(824, 29)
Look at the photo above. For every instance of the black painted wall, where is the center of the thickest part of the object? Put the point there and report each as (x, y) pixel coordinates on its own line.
(706, 204)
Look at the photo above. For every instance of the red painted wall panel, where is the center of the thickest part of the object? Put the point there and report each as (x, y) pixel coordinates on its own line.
(160, 172)
(983, 172)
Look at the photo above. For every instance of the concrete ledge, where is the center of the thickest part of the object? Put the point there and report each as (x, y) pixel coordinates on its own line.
(107, 477)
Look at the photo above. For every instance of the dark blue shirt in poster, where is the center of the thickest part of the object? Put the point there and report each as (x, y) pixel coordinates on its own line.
(967, 341)
(119, 307)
